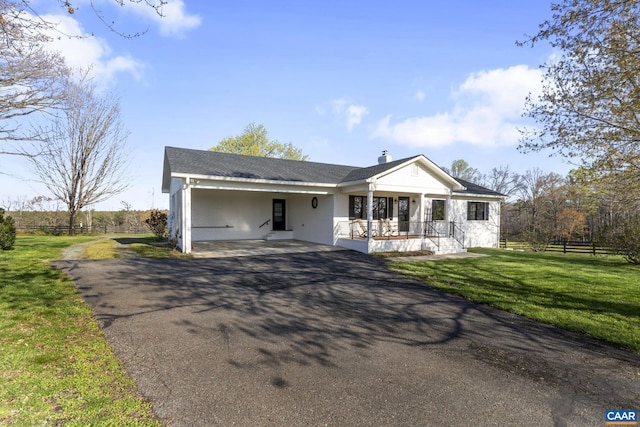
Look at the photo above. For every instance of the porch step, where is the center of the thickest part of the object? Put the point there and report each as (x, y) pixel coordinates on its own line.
(448, 245)
(279, 235)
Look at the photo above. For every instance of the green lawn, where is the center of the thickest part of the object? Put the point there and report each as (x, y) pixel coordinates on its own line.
(597, 296)
(56, 367)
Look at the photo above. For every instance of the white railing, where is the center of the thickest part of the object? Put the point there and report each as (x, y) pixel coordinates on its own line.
(381, 229)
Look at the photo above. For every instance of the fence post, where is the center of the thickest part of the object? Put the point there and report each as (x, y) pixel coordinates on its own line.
(564, 245)
(594, 247)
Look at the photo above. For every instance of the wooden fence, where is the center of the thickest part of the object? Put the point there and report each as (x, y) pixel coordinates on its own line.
(566, 246)
(58, 230)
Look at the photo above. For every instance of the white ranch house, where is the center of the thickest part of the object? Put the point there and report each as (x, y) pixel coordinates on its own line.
(395, 205)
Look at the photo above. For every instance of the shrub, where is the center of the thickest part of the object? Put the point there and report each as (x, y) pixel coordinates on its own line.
(623, 237)
(7, 231)
(157, 223)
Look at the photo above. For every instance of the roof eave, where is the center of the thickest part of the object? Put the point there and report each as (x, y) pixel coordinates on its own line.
(251, 180)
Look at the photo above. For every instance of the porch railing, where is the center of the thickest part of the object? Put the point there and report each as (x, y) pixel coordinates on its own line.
(389, 230)
(431, 232)
(265, 223)
(456, 232)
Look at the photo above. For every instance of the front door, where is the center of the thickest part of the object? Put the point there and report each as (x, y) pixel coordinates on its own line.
(403, 213)
(279, 218)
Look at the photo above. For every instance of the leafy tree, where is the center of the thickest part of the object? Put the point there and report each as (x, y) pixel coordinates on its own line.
(588, 108)
(570, 223)
(254, 141)
(623, 236)
(461, 169)
(85, 158)
(7, 231)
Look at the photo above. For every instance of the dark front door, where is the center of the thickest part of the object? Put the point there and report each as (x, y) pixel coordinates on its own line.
(279, 219)
(403, 213)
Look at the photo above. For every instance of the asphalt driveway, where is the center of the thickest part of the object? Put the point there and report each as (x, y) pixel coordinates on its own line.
(334, 338)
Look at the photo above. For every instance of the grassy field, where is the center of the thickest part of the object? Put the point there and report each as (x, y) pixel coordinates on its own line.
(596, 296)
(56, 367)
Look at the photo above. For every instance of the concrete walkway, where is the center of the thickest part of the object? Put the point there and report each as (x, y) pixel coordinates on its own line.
(243, 248)
(335, 338)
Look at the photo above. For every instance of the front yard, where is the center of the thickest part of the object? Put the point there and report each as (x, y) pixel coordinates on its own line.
(56, 367)
(597, 296)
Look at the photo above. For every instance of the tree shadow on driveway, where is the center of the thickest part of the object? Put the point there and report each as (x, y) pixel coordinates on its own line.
(312, 318)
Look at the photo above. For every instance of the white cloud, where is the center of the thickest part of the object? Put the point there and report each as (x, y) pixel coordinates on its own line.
(351, 113)
(81, 50)
(355, 113)
(487, 109)
(175, 20)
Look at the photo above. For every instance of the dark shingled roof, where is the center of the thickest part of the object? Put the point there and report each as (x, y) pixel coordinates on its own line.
(214, 163)
(472, 188)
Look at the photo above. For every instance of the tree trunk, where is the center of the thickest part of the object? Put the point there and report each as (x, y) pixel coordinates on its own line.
(72, 221)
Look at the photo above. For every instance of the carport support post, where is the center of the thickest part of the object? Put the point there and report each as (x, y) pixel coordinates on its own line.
(370, 211)
(186, 218)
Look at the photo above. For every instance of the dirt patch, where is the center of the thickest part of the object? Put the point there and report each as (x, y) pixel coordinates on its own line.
(77, 251)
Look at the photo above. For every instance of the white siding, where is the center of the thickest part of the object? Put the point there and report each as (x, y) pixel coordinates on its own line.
(309, 224)
(231, 215)
(478, 233)
(409, 179)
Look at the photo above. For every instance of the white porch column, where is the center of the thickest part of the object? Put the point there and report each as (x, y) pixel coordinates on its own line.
(421, 217)
(370, 211)
(448, 215)
(186, 217)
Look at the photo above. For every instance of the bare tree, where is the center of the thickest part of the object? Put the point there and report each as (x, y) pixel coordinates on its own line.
(74, 7)
(30, 77)
(85, 160)
(502, 180)
(541, 200)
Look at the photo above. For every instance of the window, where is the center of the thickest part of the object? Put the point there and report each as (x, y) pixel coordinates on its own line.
(437, 210)
(382, 207)
(357, 207)
(477, 211)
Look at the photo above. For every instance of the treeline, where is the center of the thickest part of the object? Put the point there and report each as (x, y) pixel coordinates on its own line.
(584, 206)
(45, 215)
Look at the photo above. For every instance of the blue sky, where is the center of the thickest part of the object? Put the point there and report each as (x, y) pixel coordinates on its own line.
(340, 80)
